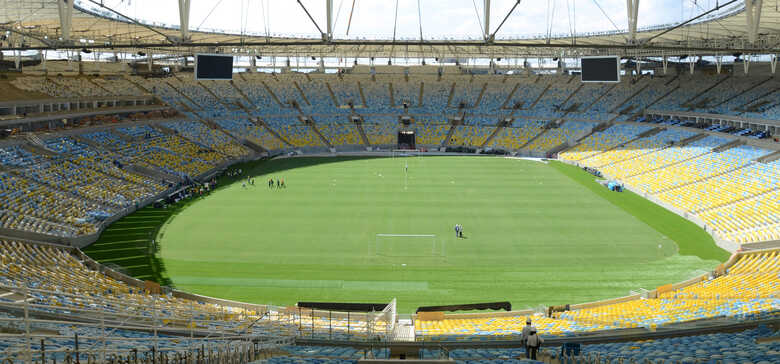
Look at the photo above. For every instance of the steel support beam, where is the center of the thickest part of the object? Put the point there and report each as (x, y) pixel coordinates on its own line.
(184, 19)
(492, 37)
(632, 7)
(753, 17)
(329, 17)
(65, 8)
(486, 33)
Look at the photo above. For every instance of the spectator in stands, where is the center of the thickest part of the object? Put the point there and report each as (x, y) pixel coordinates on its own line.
(533, 342)
(525, 333)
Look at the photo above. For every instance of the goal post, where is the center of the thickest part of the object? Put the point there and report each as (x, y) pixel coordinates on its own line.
(408, 245)
(401, 153)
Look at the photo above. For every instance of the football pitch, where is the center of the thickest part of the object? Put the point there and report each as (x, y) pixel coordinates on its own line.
(372, 229)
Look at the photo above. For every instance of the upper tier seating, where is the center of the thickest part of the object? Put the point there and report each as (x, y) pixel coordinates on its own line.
(340, 134)
(603, 140)
(521, 131)
(42, 85)
(118, 86)
(242, 128)
(208, 137)
(566, 132)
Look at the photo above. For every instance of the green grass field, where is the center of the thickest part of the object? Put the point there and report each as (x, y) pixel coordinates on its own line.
(535, 234)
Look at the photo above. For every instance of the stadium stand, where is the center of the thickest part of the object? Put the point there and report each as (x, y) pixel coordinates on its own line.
(520, 133)
(746, 290)
(563, 133)
(721, 347)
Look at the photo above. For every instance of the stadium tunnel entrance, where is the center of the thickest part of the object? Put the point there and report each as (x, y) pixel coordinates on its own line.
(406, 139)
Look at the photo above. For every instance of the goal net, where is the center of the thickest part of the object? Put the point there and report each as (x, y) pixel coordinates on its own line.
(408, 245)
(402, 153)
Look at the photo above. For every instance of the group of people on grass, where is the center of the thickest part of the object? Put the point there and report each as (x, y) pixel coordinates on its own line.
(458, 230)
(279, 183)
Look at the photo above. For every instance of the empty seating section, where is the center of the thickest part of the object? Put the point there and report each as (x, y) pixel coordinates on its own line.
(514, 137)
(481, 120)
(738, 347)
(526, 93)
(167, 93)
(638, 147)
(566, 132)
(17, 156)
(346, 92)
(241, 128)
(208, 137)
(759, 89)
(43, 85)
(470, 135)
(258, 95)
(431, 134)
(294, 131)
(284, 89)
(406, 92)
(687, 88)
(59, 284)
(81, 86)
(608, 103)
(581, 102)
(320, 100)
(731, 87)
(227, 94)
(493, 98)
(662, 158)
(435, 96)
(340, 134)
(653, 91)
(753, 179)
(748, 289)
(383, 133)
(603, 140)
(59, 213)
(736, 95)
(466, 93)
(168, 153)
(89, 184)
(695, 169)
(744, 221)
(51, 269)
(118, 86)
(86, 183)
(377, 95)
(140, 131)
(549, 105)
